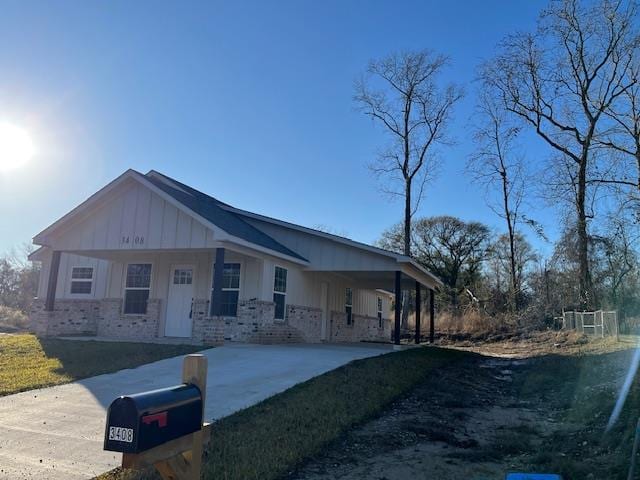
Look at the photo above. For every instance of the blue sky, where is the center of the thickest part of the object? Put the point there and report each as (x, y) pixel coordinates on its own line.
(248, 101)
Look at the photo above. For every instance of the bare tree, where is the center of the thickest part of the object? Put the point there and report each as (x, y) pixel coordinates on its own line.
(624, 135)
(401, 93)
(497, 165)
(618, 255)
(503, 265)
(562, 80)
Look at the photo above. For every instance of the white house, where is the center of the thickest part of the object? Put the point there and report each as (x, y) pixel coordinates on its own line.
(148, 257)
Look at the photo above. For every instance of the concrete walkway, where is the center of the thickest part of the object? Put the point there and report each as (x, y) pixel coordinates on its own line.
(57, 432)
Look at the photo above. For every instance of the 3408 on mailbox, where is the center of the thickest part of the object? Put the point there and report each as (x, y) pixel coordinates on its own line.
(121, 434)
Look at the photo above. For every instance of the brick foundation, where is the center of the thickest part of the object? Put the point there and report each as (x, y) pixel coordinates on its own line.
(69, 317)
(254, 324)
(206, 330)
(113, 323)
(362, 328)
(307, 321)
(95, 317)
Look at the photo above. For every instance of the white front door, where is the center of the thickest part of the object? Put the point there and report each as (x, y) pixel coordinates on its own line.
(179, 302)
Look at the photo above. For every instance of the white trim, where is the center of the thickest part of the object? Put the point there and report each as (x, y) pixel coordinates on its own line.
(350, 305)
(336, 238)
(39, 240)
(125, 288)
(283, 256)
(37, 254)
(284, 294)
(219, 233)
(82, 280)
(240, 280)
(183, 266)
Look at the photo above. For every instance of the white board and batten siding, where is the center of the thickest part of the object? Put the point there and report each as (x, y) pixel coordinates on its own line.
(143, 227)
(63, 286)
(304, 288)
(325, 254)
(134, 218)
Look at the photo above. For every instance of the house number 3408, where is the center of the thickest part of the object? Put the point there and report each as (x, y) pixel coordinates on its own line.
(137, 240)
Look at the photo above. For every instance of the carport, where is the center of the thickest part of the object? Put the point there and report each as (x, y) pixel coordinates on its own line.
(409, 277)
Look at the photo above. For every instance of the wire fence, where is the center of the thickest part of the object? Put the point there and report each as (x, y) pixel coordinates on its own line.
(600, 323)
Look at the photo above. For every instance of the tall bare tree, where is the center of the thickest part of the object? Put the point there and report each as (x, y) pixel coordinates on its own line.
(497, 165)
(502, 265)
(401, 92)
(624, 135)
(561, 80)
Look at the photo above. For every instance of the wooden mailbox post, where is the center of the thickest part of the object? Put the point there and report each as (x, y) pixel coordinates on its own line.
(180, 458)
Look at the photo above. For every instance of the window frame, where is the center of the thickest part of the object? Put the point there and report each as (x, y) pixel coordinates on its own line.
(379, 305)
(82, 280)
(348, 306)
(283, 294)
(175, 268)
(226, 289)
(125, 288)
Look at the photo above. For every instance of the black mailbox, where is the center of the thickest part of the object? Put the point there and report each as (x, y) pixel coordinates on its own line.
(136, 423)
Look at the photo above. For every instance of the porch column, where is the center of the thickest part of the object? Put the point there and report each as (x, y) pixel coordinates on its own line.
(432, 312)
(49, 302)
(216, 295)
(398, 309)
(418, 302)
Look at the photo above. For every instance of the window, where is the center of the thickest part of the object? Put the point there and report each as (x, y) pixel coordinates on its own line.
(81, 280)
(379, 312)
(348, 305)
(280, 292)
(137, 286)
(230, 290)
(182, 276)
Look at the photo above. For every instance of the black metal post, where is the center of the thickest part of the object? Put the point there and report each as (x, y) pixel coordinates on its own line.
(418, 301)
(398, 309)
(49, 302)
(216, 295)
(432, 314)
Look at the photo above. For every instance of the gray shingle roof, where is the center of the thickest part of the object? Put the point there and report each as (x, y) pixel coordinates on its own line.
(209, 208)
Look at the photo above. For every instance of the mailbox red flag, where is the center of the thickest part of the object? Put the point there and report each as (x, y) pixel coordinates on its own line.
(160, 417)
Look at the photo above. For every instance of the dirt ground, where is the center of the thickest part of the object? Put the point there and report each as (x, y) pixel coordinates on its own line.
(498, 412)
(535, 344)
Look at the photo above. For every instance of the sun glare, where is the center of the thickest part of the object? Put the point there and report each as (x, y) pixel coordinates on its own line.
(16, 147)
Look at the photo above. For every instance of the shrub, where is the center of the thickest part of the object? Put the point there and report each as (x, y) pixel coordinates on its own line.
(13, 318)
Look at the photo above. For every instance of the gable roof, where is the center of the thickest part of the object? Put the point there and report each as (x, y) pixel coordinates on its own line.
(197, 204)
(239, 213)
(210, 209)
(233, 221)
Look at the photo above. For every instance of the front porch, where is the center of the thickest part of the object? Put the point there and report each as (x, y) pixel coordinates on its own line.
(211, 296)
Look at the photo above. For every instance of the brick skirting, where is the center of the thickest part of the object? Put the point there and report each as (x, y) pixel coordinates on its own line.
(95, 317)
(254, 324)
(362, 328)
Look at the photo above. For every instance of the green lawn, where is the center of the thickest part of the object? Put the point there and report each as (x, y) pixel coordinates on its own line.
(268, 440)
(28, 362)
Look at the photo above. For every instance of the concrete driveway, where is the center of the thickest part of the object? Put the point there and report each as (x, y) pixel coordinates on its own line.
(57, 432)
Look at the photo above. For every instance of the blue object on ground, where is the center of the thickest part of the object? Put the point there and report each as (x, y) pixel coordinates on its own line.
(532, 476)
